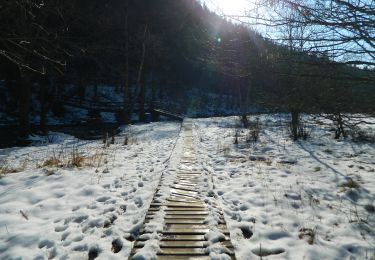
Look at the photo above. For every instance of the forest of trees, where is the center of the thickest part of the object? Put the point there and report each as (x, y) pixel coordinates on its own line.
(155, 51)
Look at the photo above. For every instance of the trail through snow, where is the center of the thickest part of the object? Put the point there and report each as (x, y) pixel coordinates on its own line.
(311, 199)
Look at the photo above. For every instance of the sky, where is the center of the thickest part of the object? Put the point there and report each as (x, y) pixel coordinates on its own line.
(228, 7)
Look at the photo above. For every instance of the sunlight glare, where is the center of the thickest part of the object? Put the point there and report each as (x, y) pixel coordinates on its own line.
(229, 7)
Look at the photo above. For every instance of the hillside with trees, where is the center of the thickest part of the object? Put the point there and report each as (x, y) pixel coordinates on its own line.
(174, 55)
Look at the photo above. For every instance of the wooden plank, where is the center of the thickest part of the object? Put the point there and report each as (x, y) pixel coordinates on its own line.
(178, 257)
(184, 192)
(180, 205)
(179, 199)
(194, 226)
(185, 226)
(186, 196)
(183, 251)
(183, 187)
(186, 212)
(155, 209)
(185, 221)
(167, 217)
(189, 185)
(168, 208)
(177, 244)
(188, 221)
(186, 252)
(179, 231)
(186, 231)
(182, 237)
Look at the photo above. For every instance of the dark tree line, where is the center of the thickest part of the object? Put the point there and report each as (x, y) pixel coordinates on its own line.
(45, 46)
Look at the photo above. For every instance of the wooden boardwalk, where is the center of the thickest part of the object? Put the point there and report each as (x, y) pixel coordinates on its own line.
(185, 214)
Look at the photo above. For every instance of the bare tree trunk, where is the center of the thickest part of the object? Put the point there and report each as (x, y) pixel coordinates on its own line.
(24, 110)
(142, 99)
(126, 97)
(43, 105)
(243, 94)
(295, 123)
(140, 84)
(155, 116)
(340, 127)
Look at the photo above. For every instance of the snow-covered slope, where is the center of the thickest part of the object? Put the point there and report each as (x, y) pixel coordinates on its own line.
(67, 212)
(311, 199)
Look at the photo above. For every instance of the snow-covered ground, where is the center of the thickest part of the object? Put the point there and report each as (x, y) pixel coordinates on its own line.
(52, 209)
(310, 199)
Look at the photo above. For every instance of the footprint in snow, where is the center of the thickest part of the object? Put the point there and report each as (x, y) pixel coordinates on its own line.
(110, 209)
(138, 201)
(77, 238)
(92, 206)
(106, 186)
(80, 248)
(118, 186)
(246, 232)
(276, 235)
(76, 208)
(103, 199)
(110, 221)
(46, 243)
(65, 235)
(116, 245)
(80, 219)
(262, 252)
(61, 228)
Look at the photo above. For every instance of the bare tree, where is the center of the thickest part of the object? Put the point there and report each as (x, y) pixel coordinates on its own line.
(343, 30)
(31, 34)
(32, 37)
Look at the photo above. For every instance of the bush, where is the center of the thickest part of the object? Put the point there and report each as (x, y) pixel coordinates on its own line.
(6, 170)
(303, 131)
(254, 131)
(351, 184)
(52, 162)
(360, 135)
(77, 159)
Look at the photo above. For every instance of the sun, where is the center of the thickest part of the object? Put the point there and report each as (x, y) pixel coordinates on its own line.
(229, 7)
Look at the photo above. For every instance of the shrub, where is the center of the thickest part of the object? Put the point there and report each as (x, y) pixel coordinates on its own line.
(308, 234)
(52, 162)
(360, 135)
(77, 159)
(303, 131)
(254, 130)
(6, 170)
(351, 184)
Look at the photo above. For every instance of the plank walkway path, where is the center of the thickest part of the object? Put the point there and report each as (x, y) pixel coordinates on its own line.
(185, 226)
